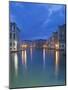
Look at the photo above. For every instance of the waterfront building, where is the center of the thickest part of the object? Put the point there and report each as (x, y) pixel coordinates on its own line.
(53, 40)
(62, 36)
(14, 37)
(58, 38)
(40, 43)
(50, 42)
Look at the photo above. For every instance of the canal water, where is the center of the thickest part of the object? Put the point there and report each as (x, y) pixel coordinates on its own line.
(37, 67)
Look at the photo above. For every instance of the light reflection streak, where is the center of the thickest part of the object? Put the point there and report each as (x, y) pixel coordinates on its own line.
(43, 57)
(56, 62)
(31, 53)
(16, 63)
(24, 58)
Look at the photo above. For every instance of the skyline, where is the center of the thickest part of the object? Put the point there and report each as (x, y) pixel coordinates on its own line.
(36, 20)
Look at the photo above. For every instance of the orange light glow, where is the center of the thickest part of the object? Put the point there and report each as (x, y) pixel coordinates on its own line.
(24, 46)
(44, 46)
(57, 57)
(57, 46)
(56, 62)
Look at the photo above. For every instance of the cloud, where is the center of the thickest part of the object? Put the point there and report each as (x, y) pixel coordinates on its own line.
(36, 21)
(52, 10)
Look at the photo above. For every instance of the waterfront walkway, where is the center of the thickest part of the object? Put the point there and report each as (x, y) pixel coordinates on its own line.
(18, 50)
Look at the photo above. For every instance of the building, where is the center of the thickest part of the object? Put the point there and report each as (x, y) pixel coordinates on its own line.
(58, 38)
(14, 37)
(53, 40)
(62, 36)
(55, 37)
(40, 43)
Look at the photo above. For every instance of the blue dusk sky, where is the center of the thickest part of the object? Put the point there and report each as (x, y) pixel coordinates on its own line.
(36, 20)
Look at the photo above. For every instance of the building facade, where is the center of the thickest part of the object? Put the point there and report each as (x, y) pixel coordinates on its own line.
(58, 38)
(14, 37)
(62, 36)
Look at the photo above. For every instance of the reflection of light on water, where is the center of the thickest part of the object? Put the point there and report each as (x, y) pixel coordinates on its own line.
(16, 63)
(43, 57)
(31, 52)
(56, 62)
(24, 57)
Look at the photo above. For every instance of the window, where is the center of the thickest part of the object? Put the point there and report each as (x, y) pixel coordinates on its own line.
(10, 44)
(10, 35)
(14, 36)
(12, 28)
(62, 45)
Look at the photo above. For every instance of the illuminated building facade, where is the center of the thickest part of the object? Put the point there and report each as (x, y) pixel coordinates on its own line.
(58, 38)
(62, 36)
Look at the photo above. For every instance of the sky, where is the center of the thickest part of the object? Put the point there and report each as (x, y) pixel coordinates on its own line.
(36, 20)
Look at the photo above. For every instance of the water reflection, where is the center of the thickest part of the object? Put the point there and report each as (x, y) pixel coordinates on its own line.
(24, 58)
(56, 62)
(16, 63)
(44, 67)
(43, 57)
(31, 52)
